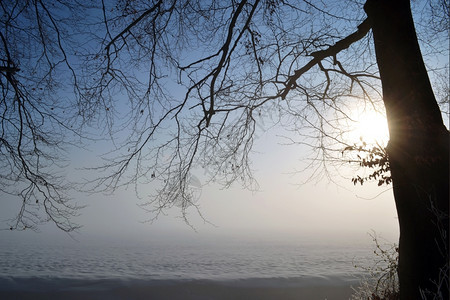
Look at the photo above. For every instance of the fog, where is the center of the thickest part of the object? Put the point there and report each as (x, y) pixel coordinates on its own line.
(284, 207)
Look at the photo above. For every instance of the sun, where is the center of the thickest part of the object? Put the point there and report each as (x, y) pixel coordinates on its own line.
(369, 126)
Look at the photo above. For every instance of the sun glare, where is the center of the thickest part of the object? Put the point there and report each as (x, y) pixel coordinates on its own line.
(369, 126)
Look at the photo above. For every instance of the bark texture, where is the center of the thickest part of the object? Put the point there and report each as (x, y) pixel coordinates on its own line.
(418, 150)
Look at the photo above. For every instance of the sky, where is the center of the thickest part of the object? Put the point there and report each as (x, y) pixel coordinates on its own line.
(284, 206)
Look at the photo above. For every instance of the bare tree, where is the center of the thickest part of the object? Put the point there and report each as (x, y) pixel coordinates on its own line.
(37, 77)
(236, 60)
(248, 75)
(189, 83)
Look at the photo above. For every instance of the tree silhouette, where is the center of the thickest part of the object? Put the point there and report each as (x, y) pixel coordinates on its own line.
(191, 82)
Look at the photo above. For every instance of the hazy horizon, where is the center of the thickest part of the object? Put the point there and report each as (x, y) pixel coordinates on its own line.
(281, 207)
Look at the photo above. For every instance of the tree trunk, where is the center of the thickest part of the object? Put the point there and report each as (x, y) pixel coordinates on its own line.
(418, 150)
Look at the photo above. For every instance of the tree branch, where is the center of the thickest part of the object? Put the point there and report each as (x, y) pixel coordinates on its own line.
(318, 56)
(132, 24)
